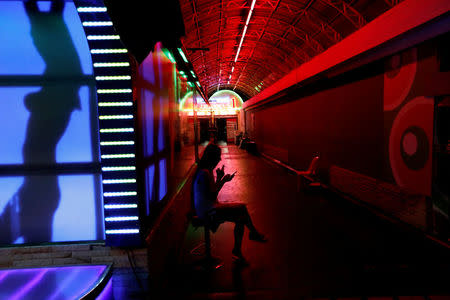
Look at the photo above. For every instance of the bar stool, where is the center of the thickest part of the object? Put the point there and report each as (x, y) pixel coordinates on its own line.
(208, 262)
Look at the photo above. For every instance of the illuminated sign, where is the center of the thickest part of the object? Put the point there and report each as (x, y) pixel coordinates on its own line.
(222, 103)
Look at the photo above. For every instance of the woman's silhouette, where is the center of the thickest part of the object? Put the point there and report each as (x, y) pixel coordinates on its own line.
(30, 212)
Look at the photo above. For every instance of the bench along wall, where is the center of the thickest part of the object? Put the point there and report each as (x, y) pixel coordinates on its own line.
(376, 120)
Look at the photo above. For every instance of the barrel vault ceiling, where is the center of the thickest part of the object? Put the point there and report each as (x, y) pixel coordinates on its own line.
(280, 35)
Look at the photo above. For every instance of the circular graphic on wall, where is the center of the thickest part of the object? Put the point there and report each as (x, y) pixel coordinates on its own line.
(398, 78)
(410, 143)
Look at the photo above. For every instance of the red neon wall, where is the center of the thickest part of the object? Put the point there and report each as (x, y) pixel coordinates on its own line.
(349, 120)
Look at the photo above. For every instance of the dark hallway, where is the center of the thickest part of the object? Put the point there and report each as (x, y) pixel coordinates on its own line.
(320, 246)
(141, 140)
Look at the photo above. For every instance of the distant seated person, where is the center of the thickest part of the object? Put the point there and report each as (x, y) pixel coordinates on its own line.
(207, 207)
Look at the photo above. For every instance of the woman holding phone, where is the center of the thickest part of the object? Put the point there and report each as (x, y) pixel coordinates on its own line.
(205, 190)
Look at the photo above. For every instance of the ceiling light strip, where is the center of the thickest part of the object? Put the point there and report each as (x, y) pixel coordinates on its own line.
(245, 30)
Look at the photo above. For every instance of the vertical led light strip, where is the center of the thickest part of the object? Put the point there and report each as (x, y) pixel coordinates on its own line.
(116, 124)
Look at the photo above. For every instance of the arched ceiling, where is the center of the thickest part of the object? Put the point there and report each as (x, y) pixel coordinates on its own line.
(281, 35)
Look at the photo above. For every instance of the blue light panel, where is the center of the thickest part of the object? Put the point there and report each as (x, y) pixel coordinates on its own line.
(43, 84)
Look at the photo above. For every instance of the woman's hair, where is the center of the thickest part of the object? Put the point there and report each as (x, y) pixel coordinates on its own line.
(211, 155)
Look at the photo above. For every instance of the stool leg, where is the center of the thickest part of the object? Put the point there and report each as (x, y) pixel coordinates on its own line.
(207, 243)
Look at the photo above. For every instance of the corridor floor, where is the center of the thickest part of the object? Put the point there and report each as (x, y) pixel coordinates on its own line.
(320, 247)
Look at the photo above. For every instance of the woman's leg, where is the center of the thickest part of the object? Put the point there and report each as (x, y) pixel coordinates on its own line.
(237, 213)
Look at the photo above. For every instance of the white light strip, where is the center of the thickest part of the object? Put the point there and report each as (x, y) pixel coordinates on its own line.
(111, 64)
(182, 55)
(91, 9)
(113, 91)
(111, 156)
(114, 181)
(112, 104)
(122, 231)
(97, 23)
(120, 206)
(118, 219)
(119, 194)
(245, 30)
(126, 168)
(113, 130)
(106, 51)
(103, 37)
(116, 143)
(122, 77)
(115, 117)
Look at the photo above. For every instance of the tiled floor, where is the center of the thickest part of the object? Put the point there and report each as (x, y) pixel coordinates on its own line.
(320, 247)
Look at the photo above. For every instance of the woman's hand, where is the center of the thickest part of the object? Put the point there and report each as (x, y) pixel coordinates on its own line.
(228, 177)
(220, 172)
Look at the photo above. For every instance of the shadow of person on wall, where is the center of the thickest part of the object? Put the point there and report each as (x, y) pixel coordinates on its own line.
(29, 214)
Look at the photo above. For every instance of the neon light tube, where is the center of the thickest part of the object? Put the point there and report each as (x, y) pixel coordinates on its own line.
(182, 55)
(115, 104)
(119, 194)
(115, 117)
(122, 77)
(114, 181)
(125, 168)
(170, 57)
(97, 23)
(102, 37)
(245, 30)
(112, 156)
(111, 64)
(117, 143)
(122, 231)
(119, 206)
(91, 9)
(114, 91)
(113, 130)
(118, 219)
(105, 51)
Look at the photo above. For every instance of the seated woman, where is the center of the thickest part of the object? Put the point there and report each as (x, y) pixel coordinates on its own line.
(205, 190)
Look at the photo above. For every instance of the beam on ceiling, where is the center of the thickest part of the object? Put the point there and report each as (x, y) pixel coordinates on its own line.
(402, 23)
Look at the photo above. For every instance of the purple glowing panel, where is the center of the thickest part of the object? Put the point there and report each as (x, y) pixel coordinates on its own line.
(107, 292)
(54, 283)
